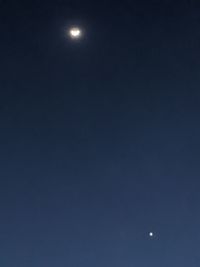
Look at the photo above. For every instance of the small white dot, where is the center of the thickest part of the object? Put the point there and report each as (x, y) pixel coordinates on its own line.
(151, 234)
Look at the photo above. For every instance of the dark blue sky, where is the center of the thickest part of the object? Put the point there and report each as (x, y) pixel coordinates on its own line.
(100, 139)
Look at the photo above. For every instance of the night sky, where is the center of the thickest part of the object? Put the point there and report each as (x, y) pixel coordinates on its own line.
(100, 137)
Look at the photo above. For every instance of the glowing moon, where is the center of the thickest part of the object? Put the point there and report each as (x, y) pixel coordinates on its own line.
(75, 33)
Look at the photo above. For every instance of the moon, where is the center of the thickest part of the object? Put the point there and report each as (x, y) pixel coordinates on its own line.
(75, 32)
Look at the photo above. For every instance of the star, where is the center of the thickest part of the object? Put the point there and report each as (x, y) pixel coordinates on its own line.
(151, 234)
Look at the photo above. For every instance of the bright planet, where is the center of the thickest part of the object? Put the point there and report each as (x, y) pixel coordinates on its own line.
(151, 234)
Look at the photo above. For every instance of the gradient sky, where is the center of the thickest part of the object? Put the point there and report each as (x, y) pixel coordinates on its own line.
(100, 138)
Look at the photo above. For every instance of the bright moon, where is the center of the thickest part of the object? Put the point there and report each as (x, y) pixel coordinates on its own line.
(75, 33)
